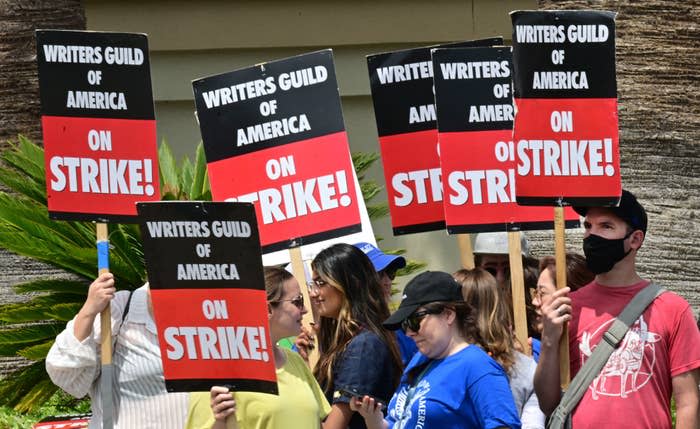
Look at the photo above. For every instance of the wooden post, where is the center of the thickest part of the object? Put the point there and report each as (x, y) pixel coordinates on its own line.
(310, 318)
(560, 256)
(466, 252)
(106, 376)
(517, 286)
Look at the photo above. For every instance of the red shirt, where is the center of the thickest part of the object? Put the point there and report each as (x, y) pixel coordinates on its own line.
(634, 388)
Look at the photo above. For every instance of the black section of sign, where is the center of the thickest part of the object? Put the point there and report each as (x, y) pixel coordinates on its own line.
(164, 255)
(57, 79)
(596, 59)
(422, 227)
(568, 201)
(93, 217)
(319, 102)
(468, 103)
(393, 101)
(516, 226)
(312, 238)
(238, 385)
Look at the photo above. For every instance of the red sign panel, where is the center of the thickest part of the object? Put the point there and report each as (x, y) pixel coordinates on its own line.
(565, 133)
(98, 123)
(415, 198)
(221, 337)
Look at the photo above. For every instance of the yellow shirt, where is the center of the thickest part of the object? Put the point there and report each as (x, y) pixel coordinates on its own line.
(300, 403)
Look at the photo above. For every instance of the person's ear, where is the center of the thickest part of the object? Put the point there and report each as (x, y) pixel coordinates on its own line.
(450, 315)
(636, 239)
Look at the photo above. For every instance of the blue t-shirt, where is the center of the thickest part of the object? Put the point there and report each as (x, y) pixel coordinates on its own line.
(536, 344)
(465, 390)
(407, 346)
(366, 366)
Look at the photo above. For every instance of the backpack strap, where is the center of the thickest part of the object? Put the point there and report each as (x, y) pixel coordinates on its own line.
(126, 308)
(599, 357)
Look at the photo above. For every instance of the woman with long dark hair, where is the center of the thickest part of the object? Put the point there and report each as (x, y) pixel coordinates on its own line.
(356, 353)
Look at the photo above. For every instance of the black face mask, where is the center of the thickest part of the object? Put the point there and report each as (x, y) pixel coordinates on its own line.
(602, 254)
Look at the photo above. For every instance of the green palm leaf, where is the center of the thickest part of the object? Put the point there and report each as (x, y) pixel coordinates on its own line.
(36, 352)
(60, 285)
(26, 383)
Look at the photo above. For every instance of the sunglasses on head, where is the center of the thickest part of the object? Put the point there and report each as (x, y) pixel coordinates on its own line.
(413, 321)
(298, 302)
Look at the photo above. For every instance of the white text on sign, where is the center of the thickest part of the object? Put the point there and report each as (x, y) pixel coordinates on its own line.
(224, 342)
(103, 175)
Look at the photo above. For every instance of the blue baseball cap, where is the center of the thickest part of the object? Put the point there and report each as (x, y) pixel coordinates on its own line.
(379, 259)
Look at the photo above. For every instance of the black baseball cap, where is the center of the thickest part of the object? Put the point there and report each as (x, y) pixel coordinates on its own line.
(628, 210)
(427, 287)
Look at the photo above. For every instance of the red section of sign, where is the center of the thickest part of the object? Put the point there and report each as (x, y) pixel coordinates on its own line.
(299, 189)
(110, 179)
(567, 148)
(412, 173)
(479, 182)
(214, 334)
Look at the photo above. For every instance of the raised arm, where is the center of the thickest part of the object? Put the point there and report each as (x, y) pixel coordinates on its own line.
(547, 382)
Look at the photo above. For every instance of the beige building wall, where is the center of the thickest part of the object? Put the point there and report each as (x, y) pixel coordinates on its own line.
(191, 39)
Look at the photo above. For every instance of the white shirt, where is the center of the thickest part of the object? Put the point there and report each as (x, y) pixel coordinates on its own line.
(138, 389)
(521, 379)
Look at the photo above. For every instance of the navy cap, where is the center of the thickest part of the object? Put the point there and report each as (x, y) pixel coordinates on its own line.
(628, 210)
(379, 259)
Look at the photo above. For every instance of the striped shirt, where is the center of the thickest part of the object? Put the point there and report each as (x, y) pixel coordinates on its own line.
(139, 395)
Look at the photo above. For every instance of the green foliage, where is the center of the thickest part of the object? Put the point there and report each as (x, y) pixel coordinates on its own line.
(187, 182)
(29, 328)
(58, 404)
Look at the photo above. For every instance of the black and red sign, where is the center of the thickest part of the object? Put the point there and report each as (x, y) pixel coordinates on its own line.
(566, 127)
(404, 108)
(475, 117)
(208, 291)
(98, 123)
(274, 135)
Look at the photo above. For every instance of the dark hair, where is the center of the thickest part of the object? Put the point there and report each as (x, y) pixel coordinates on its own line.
(364, 306)
(274, 283)
(493, 319)
(577, 273)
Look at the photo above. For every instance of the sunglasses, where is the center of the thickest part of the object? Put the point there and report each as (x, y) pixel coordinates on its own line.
(298, 302)
(413, 321)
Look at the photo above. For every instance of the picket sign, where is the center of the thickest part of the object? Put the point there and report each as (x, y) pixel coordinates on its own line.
(99, 130)
(566, 127)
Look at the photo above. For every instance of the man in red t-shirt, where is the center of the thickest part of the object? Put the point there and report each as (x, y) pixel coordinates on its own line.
(658, 357)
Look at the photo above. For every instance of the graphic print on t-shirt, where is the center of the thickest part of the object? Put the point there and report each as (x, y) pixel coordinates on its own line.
(629, 367)
(403, 411)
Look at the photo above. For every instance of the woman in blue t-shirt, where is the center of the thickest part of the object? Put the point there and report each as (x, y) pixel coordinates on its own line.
(451, 382)
(356, 353)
